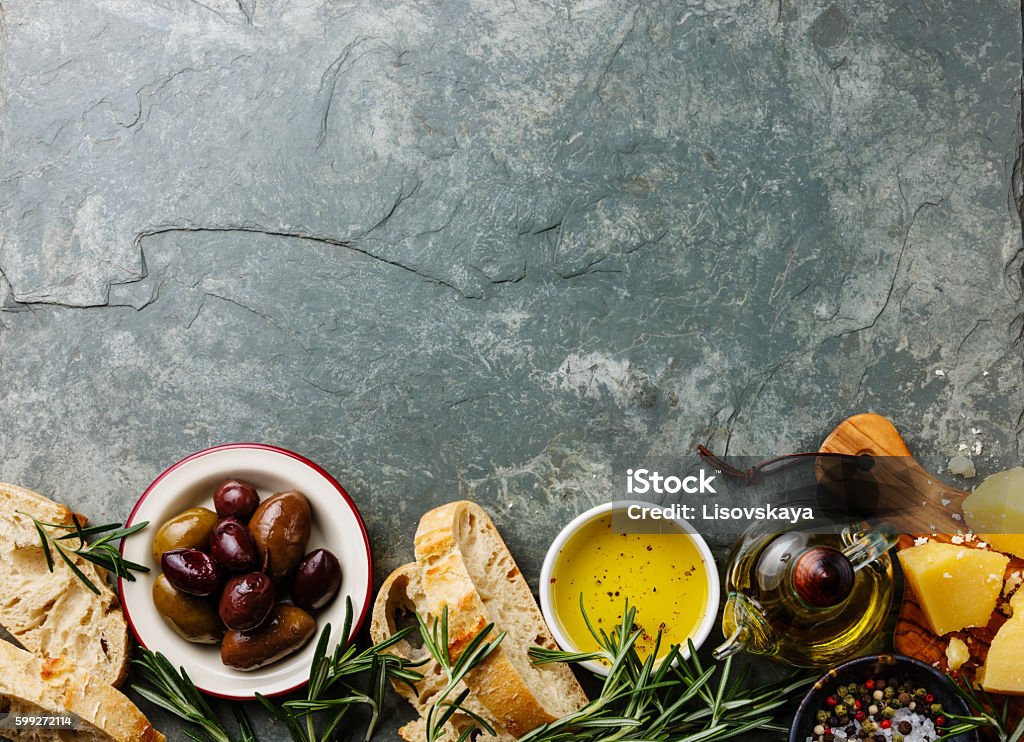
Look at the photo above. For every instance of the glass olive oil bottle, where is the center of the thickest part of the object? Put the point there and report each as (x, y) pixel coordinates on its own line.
(807, 599)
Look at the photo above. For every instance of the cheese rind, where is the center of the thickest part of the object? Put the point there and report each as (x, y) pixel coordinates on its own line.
(957, 587)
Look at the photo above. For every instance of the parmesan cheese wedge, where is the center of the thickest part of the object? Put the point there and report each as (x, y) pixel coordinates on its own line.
(1004, 671)
(956, 586)
(995, 511)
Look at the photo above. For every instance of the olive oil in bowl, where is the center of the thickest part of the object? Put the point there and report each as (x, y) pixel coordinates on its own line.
(670, 578)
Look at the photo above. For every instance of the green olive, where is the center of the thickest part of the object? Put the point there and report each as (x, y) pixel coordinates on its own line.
(191, 617)
(286, 631)
(188, 530)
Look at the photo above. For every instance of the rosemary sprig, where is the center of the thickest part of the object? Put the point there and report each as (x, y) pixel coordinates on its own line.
(679, 700)
(101, 552)
(331, 690)
(173, 691)
(986, 714)
(442, 708)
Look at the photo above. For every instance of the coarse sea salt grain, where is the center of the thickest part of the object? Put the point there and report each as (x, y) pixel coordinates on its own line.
(921, 541)
(958, 539)
(923, 730)
(962, 466)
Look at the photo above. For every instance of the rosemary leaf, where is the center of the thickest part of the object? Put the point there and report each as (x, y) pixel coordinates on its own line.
(332, 688)
(245, 731)
(82, 533)
(436, 641)
(177, 694)
(542, 656)
(46, 545)
(1017, 733)
(289, 720)
(78, 572)
(448, 708)
(680, 700)
(986, 714)
(102, 552)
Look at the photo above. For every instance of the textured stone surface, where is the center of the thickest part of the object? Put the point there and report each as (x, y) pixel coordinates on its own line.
(484, 249)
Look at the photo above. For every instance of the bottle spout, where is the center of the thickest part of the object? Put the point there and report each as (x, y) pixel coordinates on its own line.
(871, 545)
(737, 642)
(744, 628)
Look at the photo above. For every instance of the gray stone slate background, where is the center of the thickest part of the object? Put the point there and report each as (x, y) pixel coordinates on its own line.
(484, 248)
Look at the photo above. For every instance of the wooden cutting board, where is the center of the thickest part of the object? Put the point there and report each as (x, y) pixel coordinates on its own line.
(938, 504)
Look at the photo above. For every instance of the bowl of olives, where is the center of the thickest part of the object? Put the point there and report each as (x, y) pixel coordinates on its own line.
(252, 550)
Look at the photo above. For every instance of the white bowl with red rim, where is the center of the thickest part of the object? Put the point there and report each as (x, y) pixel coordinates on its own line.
(337, 526)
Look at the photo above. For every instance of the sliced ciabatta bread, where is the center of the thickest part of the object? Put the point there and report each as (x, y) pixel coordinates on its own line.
(465, 565)
(32, 685)
(54, 614)
(399, 600)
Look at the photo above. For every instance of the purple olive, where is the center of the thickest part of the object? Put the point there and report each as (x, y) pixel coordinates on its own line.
(191, 571)
(235, 498)
(316, 581)
(247, 601)
(231, 545)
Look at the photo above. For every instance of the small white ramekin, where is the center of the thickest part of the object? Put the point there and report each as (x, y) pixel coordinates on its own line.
(547, 603)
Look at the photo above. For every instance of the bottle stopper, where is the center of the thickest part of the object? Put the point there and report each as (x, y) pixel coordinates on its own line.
(823, 577)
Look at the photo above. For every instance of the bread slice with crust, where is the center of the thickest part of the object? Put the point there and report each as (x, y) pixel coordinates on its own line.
(54, 614)
(31, 685)
(398, 601)
(466, 566)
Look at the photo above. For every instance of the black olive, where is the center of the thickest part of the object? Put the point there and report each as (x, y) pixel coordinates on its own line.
(232, 546)
(316, 580)
(235, 499)
(191, 571)
(247, 601)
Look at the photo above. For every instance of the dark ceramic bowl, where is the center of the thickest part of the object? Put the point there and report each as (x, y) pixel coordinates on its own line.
(859, 670)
